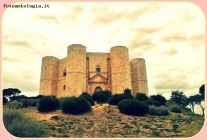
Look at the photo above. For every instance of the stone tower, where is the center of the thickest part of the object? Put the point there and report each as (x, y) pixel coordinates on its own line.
(83, 71)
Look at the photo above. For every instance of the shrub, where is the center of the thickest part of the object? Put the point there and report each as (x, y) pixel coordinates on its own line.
(159, 98)
(141, 96)
(75, 105)
(175, 109)
(150, 101)
(116, 98)
(86, 94)
(133, 107)
(127, 92)
(15, 105)
(158, 111)
(47, 103)
(99, 96)
(5, 100)
(20, 126)
(88, 98)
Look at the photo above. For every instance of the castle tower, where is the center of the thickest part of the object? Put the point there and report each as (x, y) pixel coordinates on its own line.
(76, 70)
(139, 76)
(48, 78)
(120, 69)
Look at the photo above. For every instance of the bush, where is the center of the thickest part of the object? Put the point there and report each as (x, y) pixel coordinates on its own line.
(5, 100)
(133, 107)
(86, 94)
(175, 109)
(20, 126)
(150, 101)
(99, 96)
(47, 103)
(141, 96)
(75, 105)
(159, 98)
(88, 98)
(158, 111)
(127, 92)
(15, 105)
(116, 98)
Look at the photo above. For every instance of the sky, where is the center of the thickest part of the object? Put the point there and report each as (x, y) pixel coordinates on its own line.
(169, 36)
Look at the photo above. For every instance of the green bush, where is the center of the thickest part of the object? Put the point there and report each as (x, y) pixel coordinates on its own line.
(159, 98)
(47, 103)
(15, 105)
(127, 92)
(5, 100)
(99, 96)
(141, 96)
(116, 98)
(175, 109)
(86, 94)
(75, 105)
(158, 111)
(88, 98)
(133, 107)
(150, 101)
(21, 126)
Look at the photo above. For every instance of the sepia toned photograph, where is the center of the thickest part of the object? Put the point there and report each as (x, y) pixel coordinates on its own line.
(103, 69)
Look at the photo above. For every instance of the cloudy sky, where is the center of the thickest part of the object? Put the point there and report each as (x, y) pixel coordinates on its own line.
(169, 36)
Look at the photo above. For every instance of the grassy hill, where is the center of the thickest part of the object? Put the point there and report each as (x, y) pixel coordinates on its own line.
(105, 121)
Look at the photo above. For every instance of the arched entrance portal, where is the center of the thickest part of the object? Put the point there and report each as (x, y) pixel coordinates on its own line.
(98, 89)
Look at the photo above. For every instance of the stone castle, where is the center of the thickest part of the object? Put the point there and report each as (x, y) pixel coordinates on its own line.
(83, 71)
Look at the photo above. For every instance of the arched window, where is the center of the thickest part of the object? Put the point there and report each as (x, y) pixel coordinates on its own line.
(97, 89)
(64, 73)
(98, 69)
(64, 87)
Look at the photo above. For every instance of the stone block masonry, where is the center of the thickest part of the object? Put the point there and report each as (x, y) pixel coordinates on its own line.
(83, 71)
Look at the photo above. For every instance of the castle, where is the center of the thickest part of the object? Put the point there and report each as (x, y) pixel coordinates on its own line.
(83, 71)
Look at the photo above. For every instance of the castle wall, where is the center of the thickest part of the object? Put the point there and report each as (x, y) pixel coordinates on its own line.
(139, 76)
(48, 78)
(120, 69)
(62, 67)
(76, 70)
(97, 59)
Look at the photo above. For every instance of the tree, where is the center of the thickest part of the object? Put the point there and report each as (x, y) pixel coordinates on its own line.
(191, 102)
(202, 91)
(159, 98)
(11, 92)
(141, 96)
(179, 98)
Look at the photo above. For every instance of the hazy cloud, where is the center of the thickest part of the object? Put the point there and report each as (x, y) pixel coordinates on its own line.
(174, 37)
(47, 18)
(170, 51)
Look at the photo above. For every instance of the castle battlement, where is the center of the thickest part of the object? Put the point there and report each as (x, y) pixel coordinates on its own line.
(83, 71)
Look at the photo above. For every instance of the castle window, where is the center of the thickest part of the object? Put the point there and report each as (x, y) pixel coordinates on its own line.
(64, 73)
(98, 69)
(64, 87)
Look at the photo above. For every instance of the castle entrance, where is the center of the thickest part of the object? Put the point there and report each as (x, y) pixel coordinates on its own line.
(98, 89)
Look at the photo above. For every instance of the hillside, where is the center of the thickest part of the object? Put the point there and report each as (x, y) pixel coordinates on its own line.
(106, 121)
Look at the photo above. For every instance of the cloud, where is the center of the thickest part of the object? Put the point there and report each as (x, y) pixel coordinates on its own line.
(18, 43)
(174, 37)
(47, 18)
(170, 52)
(187, 16)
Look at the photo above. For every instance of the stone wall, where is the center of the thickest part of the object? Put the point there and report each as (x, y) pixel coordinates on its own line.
(120, 69)
(139, 76)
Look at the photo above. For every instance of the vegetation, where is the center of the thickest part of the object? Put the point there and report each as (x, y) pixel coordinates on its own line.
(88, 98)
(159, 98)
(11, 92)
(141, 96)
(116, 98)
(15, 105)
(75, 105)
(175, 109)
(101, 96)
(5, 100)
(158, 111)
(20, 126)
(133, 107)
(150, 101)
(47, 103)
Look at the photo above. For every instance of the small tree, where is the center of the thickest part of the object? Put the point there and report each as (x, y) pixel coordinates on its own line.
(191, 102)
(11, 92)
(179, 98)
(159, 98)
(141, 96)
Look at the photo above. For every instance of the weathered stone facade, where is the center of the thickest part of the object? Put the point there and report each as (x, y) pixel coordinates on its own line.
(83, 71)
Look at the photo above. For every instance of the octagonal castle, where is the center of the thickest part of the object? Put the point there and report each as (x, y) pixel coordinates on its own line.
(83, 71)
